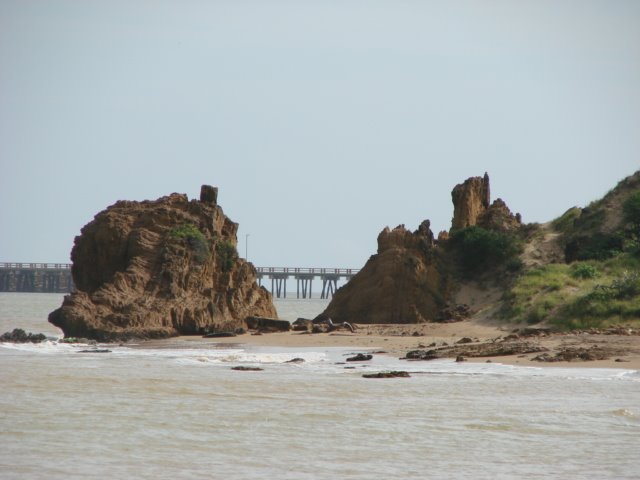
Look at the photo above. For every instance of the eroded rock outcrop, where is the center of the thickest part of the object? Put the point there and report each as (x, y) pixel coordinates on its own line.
(470, 200)
(402, 283)
(410, 279)
(160, 268)
(472, 206)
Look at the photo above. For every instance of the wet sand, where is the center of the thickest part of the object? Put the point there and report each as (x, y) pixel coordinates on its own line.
(623, 351)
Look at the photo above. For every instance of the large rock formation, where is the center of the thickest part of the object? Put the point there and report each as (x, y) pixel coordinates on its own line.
(160, 268)
(410, 279)
(401, 284)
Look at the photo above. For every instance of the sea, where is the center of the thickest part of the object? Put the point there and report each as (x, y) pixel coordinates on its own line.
(175, 409)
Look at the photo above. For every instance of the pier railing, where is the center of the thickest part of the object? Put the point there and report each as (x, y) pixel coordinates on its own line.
(310, 271)
(35, 266)
(56, 277)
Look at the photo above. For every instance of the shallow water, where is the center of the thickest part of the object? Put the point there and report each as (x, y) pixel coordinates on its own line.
(175, 409)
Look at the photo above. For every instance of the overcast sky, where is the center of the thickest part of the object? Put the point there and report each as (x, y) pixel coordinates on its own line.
(321, 122)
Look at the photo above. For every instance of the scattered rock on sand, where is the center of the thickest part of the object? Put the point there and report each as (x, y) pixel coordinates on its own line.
(302, 325)
(421, 355)
(572, 354)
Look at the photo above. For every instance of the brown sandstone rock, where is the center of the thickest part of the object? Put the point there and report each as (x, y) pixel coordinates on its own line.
(470, 200)
(408, 280)
(160, 268)
(401, 284)
(498, 217)
(471, 206)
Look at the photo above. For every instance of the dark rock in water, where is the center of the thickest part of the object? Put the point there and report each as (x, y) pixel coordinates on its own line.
(20, 336)
(268, 324)
(460, 358)
(295, 360)
(247, 369)
(95, 350)
(360, 357)
(393, 374)
(219, 335)
(77, 340)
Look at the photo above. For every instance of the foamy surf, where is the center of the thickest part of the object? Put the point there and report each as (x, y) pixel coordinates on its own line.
(326, 360)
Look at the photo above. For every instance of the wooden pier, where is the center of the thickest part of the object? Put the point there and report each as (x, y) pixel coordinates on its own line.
(304, 278)
(56, 278)
(36, 277)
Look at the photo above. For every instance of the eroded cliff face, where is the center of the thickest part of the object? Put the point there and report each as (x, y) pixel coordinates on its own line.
(410, 280)
(402, 283)
(160, 268)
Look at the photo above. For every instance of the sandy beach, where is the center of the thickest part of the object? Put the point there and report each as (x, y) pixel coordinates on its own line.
(622, 350)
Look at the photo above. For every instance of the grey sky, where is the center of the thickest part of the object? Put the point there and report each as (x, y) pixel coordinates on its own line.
(320, 121)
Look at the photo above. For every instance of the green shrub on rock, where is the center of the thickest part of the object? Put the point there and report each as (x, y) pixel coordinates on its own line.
(478, 249)
(194, 238)
(227, 254)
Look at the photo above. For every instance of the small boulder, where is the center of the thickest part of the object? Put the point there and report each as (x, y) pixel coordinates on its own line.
(302, 325)
(295, 360)
(360, 357)
(268, 324)
(421, 355)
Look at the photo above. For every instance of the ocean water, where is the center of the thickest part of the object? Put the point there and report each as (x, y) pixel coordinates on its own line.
(175, 409)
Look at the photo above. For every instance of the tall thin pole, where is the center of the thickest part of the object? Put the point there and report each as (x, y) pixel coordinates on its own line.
(246, 247)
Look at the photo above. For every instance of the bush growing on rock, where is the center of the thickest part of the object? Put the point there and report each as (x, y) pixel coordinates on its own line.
(478, 249)
(194, 238)
(227, 253)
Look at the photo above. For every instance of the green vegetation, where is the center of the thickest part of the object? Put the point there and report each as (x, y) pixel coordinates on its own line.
(478, 250)
(600, 285)
(579, 296)
(227, 254)
(567, 220)
(584, 270)
(605, 228)
(631, 210)
(194, 238)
